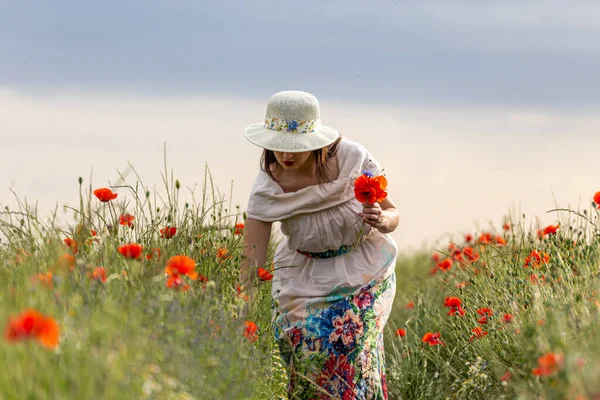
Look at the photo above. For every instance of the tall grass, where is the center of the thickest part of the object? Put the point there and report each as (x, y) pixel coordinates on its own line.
(554, 308)
(133, 337)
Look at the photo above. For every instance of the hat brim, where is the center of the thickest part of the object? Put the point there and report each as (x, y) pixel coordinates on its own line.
(289, 141)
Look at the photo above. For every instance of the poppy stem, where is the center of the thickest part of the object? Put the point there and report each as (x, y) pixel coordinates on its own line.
(113, 215)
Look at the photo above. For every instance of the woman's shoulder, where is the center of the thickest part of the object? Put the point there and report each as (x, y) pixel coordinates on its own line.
(347, 144)
(354, 154)
(351, 147)
(263, 185)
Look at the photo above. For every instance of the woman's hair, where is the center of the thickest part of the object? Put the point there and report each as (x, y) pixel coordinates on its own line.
(321, 157)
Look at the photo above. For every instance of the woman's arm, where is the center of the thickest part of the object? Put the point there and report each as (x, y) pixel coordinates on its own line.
(384, 217)
(256, 242)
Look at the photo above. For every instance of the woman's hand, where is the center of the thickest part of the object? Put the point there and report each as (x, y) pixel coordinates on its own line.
(373, 215)
(385, 220)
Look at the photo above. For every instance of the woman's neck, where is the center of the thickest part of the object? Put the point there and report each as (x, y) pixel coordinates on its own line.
(309, 168)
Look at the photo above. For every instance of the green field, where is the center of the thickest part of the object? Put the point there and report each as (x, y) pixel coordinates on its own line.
(131, 336)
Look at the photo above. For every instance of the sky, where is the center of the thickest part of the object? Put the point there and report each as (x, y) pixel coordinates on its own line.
(474, 109)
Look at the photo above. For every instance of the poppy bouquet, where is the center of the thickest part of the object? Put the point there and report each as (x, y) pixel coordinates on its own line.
(369, 188)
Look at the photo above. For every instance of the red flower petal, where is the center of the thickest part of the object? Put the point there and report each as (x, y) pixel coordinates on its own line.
(105, 194)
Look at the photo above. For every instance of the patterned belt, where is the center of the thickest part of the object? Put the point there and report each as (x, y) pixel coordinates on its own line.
(329, 253)
(345, 248)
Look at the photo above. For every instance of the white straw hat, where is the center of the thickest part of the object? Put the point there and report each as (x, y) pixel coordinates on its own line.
(292, 124)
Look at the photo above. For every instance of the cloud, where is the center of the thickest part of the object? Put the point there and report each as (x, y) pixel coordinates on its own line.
(505, 55)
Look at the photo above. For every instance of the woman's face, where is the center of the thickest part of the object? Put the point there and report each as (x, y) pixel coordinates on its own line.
(293, 161)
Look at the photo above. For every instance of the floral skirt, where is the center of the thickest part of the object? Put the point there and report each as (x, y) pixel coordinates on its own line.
(337, 351)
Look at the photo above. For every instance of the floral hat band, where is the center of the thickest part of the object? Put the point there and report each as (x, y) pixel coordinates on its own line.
(291, 125)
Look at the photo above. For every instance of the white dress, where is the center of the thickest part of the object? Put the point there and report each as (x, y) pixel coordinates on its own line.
(317, 219)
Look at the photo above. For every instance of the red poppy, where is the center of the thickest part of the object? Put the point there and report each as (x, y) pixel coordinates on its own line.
(485, 238)
(550, 230)
(597, 199)
(33, 325)
(484, 313)
(452, 302)
(401, 332)
(507, 318)
(445, 265)
(239, 229)
(126, 220)
(131, 250)
(168, 232)
(264, 275)
(99, 274)
(410, 305)
(181, 265)
(250, 331)
(478, 333)
(548, 364)
(433, 339)
(455, 306)
(105, 195)
(369, 189)
(535, 259)
(471, 254)
(468, 237)
(506, 226)
(71, 244)
(500, 241)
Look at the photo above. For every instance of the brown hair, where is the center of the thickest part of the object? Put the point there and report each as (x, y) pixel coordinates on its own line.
(321, 157)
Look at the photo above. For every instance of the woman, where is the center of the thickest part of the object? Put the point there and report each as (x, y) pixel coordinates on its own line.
(334, 280)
